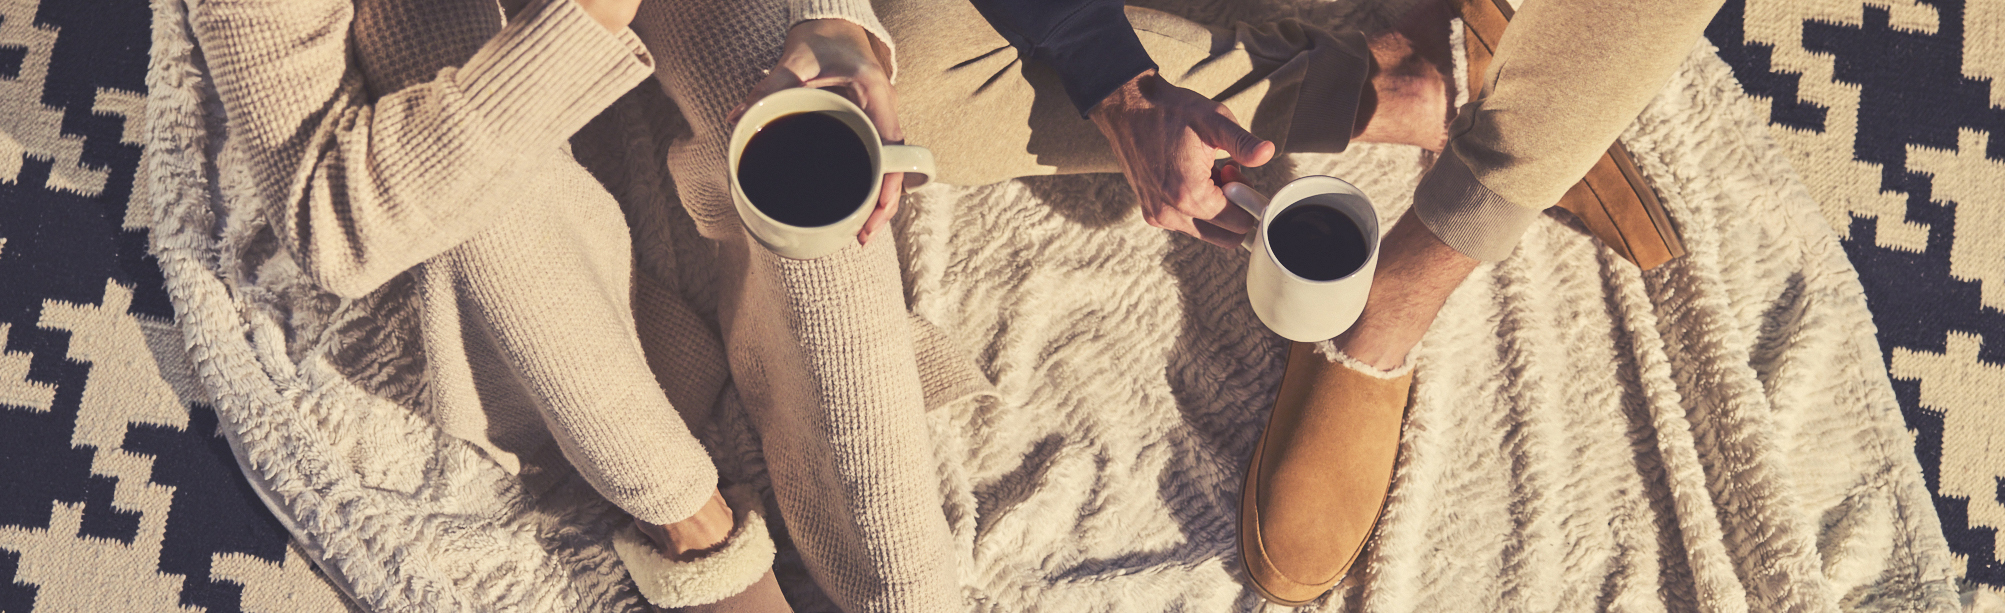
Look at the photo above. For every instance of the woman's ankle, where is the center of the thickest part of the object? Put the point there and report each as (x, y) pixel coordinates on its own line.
(696, 536)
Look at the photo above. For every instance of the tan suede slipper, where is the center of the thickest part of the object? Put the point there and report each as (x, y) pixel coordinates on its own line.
(1318, 479)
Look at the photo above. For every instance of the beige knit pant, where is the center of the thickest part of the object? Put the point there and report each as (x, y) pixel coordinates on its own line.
(821, 351)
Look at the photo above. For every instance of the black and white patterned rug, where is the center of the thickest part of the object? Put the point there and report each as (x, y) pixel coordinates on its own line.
(117, 494)
(1893, 111)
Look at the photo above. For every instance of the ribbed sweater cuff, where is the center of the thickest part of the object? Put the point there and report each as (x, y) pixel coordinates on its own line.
(1465, 214)
(550, 71)
(854, 11)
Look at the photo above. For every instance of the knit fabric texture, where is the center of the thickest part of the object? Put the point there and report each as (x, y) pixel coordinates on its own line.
(1713, 434)
(413, 307)
(822, 351)
(436, 175)
(487, 283)
(1568, 78)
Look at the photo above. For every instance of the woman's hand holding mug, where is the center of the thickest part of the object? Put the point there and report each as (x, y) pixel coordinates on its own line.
(843, 57)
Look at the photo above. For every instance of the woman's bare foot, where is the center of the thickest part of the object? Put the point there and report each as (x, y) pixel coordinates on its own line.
(1414, 84)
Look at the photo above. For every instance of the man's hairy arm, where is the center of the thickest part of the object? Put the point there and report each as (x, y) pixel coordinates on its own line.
(1165, 137)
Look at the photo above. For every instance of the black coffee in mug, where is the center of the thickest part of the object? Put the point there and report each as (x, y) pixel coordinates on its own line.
(1317, 242)
(806, 170)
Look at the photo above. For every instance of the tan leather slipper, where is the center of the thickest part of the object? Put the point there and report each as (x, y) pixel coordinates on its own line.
(1613, 200)
(1318, 480)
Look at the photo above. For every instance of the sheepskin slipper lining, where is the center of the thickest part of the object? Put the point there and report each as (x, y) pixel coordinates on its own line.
(746, 556)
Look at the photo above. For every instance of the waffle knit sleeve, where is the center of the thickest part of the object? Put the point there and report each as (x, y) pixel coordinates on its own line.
(1568, 77)
(362, 189)
(857, 12)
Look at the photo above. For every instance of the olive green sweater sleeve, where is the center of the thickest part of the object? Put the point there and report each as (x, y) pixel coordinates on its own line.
(1569, 76)
(363, 189)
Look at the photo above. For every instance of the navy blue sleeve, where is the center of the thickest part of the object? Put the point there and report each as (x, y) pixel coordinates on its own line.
(1088, 42)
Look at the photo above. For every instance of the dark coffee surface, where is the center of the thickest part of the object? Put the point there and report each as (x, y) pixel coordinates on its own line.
(806, 169)
(1317, 242)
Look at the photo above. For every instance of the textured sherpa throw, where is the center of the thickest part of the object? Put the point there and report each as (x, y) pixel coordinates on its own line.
(1717, 435)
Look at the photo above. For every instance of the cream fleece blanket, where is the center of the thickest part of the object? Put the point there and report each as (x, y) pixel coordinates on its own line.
(1718, 434)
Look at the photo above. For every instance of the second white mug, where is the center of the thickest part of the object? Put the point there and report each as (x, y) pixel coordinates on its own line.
(1323, 302)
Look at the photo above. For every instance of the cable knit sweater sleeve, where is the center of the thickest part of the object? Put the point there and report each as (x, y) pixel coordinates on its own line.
(365, 189)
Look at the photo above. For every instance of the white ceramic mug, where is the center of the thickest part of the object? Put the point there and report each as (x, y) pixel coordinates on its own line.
(809, 242)
(1293, 306)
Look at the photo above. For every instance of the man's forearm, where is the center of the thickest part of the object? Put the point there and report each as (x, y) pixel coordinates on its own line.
(1089, 43)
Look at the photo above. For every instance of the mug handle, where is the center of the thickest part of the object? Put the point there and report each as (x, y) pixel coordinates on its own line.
(915, 161)
(1253, 202)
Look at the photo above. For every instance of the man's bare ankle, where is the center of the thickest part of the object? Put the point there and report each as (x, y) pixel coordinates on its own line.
(1373, 348)
(1416, 273)
(1413, 87)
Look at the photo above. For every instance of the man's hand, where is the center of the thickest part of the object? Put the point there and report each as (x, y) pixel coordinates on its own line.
(1165, 137)
(842, 56)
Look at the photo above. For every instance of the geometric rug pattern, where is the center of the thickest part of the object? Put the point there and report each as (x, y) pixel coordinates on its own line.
(116, 492)
(1893, 112)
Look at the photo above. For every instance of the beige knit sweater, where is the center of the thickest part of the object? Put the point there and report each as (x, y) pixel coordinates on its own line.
(834, 372)
(411, 152)
(424, 138)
